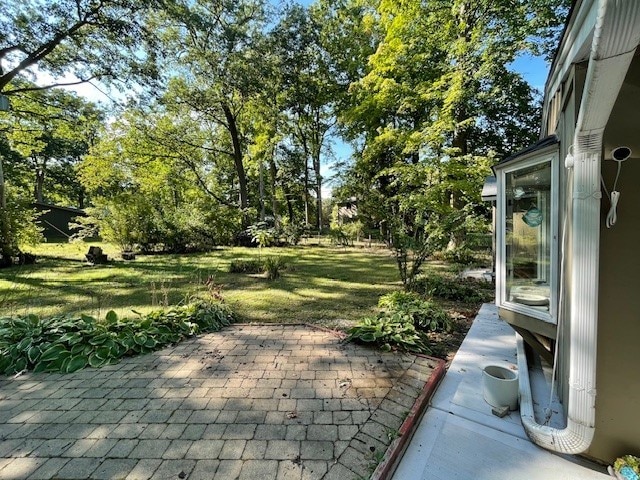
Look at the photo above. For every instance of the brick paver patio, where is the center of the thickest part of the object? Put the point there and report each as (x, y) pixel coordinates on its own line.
(250, 402)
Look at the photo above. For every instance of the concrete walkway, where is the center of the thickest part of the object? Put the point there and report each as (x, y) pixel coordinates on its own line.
(250, 402)
(458, 437)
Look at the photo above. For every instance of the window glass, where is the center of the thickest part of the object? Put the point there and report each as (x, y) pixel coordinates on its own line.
(528, 236)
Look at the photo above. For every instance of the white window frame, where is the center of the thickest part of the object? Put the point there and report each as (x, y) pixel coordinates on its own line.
(535, 158)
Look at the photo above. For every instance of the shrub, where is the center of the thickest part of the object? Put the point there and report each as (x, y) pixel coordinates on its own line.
(261, 234)
(135, 222)
(18, 226)
(460, 256)
(424, 314)
(339, 237)
(453, 288)
(273, 266)
(245, 266)
(66, 344)
(394, 331)
(353, 230)
(291, 233)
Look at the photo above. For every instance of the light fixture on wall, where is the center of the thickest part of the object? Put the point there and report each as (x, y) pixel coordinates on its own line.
(619, 154)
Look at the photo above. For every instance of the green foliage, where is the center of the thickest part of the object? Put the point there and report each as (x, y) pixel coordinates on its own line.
(454, 288)
(390, 332)
(245, 266)
(20, 218)
(433, 108)
(49, 130)
(291, 232)
(344, 232)
(91, 40)
(261, 234)
(353, 230)
(411, 249)
(273, 266)
(339, 237)
(424, 314)
(66, 344)
(134, 222)
(460, 256)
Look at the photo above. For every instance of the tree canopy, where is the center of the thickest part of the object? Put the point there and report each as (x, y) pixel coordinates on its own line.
(233, 105)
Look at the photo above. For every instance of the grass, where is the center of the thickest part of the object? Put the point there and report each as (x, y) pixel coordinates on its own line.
(330, 286)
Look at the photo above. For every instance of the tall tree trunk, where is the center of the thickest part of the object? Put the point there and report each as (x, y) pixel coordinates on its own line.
(316, 164)
(6, 244)
(237, 159)
(287, 196)
(40, 172)
(317, 150)
(273, 175)
(305, 148)
(261, 188)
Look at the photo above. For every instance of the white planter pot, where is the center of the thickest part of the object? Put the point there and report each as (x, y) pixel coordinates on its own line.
(500, 386)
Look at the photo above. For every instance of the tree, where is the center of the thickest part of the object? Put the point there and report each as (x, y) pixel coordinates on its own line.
(215, 46)
(435, 108)
(85, 39)
(310, 92)
(154, 187)
(52, 129)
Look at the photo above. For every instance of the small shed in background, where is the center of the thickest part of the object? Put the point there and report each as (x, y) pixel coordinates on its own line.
(55, 220)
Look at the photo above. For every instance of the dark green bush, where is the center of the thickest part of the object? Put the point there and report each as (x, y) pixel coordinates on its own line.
(66, 344)
(390, 332)
(273, 266)
(461, 256)
(454, 288)
(291, 233)
(245, 266)
(424, 314)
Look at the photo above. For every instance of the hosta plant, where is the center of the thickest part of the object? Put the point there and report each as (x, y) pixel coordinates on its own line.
(390, 332)
(66, 344)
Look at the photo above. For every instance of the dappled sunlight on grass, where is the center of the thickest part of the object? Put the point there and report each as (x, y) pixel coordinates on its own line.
(319, 284)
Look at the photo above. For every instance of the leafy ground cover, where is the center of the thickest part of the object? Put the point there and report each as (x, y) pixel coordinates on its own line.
(330, 286)
(68, 343)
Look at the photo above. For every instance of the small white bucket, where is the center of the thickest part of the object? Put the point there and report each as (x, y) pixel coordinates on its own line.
(500, 386)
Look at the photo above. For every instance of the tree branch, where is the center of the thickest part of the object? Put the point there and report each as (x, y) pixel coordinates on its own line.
(53, 85)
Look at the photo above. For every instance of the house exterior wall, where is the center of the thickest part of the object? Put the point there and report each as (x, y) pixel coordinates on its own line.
(618, 401)
(618, 358)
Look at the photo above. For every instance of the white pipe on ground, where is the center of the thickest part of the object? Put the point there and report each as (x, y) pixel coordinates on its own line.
(616, 36)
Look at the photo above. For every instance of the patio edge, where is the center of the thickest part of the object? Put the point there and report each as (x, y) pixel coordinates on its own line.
(394, 453)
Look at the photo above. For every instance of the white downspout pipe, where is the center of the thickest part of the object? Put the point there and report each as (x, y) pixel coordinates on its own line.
(616, 36)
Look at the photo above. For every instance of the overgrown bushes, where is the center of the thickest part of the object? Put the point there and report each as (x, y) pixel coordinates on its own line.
(66, 344)
(135, 223)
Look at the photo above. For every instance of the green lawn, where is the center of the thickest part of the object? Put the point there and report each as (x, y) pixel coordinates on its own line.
(326, 285)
